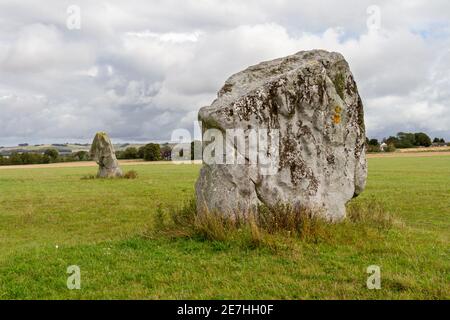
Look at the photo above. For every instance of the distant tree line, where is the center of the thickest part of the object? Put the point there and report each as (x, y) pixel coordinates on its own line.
(148, 152)
(48, 156)
(410, 140)
(156, 152)
(439, 141)
(403, 140)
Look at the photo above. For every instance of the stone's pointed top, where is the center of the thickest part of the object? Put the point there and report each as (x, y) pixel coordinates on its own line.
(252, 77)
(311, 101)
(101, 134)
(100, 145)
(102, 151)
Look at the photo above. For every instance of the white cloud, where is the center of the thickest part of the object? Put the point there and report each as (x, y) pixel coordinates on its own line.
(177, 37)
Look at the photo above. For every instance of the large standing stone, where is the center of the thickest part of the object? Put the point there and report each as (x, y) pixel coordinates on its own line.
(102, 152)
(311, 100)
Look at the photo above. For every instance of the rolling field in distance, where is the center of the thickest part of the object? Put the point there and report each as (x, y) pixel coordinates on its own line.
(51, 218)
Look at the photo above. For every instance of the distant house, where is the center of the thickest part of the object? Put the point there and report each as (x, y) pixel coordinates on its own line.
(23, 144)
(383, 147)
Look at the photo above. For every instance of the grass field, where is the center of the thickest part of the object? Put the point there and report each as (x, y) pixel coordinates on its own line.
(50, 219)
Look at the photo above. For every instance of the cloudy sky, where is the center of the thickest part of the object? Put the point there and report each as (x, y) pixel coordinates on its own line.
(139, 69)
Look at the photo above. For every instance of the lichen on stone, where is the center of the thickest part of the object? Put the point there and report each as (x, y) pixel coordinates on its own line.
(339, 84)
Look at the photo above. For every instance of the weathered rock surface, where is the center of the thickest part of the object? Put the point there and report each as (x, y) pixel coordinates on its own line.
(102, 152)
(312, 100)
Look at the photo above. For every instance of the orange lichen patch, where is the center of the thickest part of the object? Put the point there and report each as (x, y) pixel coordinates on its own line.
(337, 114)
(337, 119)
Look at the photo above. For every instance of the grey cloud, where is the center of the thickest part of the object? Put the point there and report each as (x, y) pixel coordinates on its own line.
(140, 70)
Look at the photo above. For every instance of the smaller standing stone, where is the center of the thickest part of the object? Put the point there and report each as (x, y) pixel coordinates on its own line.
(102, 152)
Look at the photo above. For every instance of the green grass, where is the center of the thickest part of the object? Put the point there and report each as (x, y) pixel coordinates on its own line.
(52, 218)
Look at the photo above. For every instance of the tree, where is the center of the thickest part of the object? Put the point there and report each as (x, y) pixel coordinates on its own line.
(52, 154)
(15, 158)
(31, 158)
(391, 140)
(422, 139)
(81, 156)
(373, 142)
(152, 152)
(130, 153)
(45, 159)
(26, 158)
(141, 152)
(373, 145)
(405, 140)
(409, 140)
(436, 140)
(166, 152)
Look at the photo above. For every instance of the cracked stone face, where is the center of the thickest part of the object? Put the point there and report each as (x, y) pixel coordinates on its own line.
(102, 152)
(310, 99)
